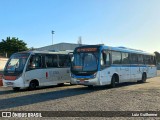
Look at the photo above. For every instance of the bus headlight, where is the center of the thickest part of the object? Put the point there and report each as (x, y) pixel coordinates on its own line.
(72, 75)
(94, 75)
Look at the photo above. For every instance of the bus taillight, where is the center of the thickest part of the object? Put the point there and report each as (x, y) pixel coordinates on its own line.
(46, 74)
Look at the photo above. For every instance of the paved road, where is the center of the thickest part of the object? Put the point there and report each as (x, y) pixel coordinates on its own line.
(125, 97)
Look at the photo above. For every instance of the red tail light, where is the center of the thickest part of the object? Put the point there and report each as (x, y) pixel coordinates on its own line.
(46, 74)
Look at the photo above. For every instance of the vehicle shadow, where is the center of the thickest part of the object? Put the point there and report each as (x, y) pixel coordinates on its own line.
(11, 91)
(128, 84)
(6, 92)
(41, 97)
(87, 88)
(117, 85)
(52, 95)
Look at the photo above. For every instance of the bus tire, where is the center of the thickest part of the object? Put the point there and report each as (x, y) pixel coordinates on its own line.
(90, 86)
(16, 88)
(60, 84)
(113, 81)
(71, 83)
(144, 78)
(32, 85)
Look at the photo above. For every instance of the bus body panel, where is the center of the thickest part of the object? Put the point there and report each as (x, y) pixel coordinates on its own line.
(104, 77)
(152, 71)
(48, 76)
(125, 73)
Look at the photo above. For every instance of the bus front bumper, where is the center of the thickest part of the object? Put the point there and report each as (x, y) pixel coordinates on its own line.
(13, 83)
(94, 82)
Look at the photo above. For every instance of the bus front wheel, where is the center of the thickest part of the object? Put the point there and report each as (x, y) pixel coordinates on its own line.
(113, 82)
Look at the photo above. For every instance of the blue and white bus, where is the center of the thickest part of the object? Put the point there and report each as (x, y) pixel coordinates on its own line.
(96, 65)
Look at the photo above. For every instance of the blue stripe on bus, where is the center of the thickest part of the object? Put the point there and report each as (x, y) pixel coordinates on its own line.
(84, 77)
(132, 66)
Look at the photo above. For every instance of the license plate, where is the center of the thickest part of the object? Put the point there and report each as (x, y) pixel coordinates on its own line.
(9, 83)
(81, 81)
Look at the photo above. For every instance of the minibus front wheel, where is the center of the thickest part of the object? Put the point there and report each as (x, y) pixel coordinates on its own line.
(33, 85)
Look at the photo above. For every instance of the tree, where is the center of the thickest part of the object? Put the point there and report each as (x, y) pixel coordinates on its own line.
(32, 48)
(157, 56)
(12, 45)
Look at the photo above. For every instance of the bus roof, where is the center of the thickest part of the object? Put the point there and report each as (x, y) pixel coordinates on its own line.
(46, 52)
(128, 50)
(121, 49)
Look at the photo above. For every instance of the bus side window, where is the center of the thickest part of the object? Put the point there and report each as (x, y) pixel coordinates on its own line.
(38, 62)
(108, 62)
(64, 61)
(68, 61)
(125, 58)
(70, 58)
(55, 61)
(116, 57)
(61, 60)
(104, 56)
(153, 61)
(105, 59)
(51, 61)
(34, 62)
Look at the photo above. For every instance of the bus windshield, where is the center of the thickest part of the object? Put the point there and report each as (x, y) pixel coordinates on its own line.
(16, 63)
(85, 62)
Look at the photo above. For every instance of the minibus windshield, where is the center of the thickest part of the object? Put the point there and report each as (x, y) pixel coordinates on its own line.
(16, 63)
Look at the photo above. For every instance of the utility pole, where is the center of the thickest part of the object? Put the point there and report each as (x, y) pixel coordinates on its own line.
(80, 41)
(52, 35)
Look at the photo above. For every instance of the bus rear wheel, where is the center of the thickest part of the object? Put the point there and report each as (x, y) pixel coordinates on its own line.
(144, 78)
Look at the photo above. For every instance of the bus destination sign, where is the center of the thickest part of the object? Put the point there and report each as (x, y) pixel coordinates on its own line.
(86, 49)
